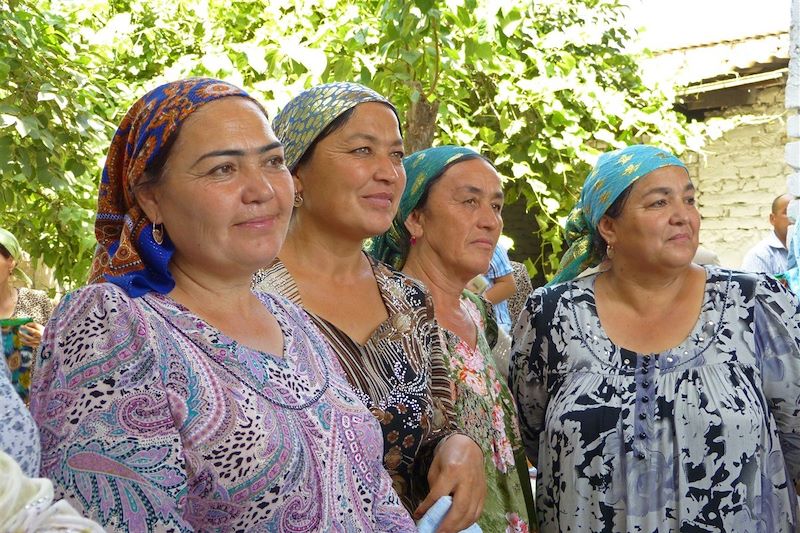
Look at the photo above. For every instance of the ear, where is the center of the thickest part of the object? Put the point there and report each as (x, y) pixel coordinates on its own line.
(298, 185)
(148, 199)
(608, 229)
(772, 219)
(415, 223)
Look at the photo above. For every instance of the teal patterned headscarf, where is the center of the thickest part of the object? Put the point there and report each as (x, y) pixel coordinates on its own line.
(306, 115)
(421, 169)
(614, 172)
(11, 244)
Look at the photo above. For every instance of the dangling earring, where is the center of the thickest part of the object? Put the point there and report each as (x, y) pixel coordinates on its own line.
(413, 240)
(298, 199)
(158, 233)
(609, 251)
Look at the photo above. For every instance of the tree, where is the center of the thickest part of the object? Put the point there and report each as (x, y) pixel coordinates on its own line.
(539, 87)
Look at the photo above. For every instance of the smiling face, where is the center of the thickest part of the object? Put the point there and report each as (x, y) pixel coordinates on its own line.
(353, 182)
(659, 224)
(461, 219)
(225, 195)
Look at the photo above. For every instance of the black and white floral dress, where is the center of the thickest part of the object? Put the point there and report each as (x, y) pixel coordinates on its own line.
(702, 437)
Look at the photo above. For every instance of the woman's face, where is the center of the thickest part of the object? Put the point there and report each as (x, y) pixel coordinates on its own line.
(461, 220)
(353, 182)
(659, 224)
(225, 196)
(7, 265)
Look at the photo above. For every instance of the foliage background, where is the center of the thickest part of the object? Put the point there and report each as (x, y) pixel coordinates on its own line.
(539, 87)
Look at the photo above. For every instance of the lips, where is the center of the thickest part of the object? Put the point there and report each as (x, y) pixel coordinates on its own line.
(259, 222)
(380, 199)
(681, 237)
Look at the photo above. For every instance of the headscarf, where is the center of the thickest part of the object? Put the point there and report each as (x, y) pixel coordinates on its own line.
(306, 115)
(11, 244)
(614, 172)
(421, 168)
(126, 253)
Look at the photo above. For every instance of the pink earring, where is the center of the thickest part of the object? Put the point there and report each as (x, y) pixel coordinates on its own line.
(413, 240)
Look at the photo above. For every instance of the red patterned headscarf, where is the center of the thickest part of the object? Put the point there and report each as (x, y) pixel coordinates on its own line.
(126, 253)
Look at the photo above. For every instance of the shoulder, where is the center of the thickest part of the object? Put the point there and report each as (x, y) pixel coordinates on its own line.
(277, 279)
(401, 287)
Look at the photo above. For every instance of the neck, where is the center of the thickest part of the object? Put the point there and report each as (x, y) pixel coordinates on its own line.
(783, 240)
(327, 254)
(646, 291)
(6, 292)
(206, 294)
(445, 287)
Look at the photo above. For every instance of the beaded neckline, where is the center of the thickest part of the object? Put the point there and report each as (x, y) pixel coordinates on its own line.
(709, 341)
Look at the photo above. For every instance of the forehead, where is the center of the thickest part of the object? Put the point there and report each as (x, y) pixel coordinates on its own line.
(227, 112)
(370, 117)
(473, 173)
(674, 178)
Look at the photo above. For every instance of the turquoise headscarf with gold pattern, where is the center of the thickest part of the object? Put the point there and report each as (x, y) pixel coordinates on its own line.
(306, 115)
(421, 168)
(614, 172)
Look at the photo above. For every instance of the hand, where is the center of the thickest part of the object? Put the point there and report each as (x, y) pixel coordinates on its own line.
(457, 470)
(30, 334)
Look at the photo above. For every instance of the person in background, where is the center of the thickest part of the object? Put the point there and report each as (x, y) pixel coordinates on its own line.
(169, 395)
(657, 395)
(19, 302)
(501, 286)
(345, 150)
(770, 255)
(444, 234)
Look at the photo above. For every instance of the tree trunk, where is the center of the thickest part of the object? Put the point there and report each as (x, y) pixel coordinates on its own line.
(420, 125)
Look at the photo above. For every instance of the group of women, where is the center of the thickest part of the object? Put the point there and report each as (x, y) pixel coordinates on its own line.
(277, 337)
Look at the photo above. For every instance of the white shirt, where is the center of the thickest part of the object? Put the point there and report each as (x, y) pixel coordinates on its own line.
(769, 256)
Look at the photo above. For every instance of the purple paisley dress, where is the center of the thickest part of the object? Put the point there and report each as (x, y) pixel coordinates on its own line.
(153, 420)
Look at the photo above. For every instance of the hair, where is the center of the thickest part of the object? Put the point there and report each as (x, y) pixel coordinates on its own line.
(614, 210)
(777, 200)
(335, 125)
(4, 252)
(154, 170)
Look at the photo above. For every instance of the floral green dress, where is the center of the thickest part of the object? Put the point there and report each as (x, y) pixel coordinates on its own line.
(486, 412)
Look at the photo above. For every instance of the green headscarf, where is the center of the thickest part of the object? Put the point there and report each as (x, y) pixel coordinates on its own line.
(421, 169)
(306, 115)
(10, 243)
(614, 172)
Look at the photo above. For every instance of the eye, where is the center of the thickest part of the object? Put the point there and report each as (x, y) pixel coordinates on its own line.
(659, 203)
(497, 207)
(471, 202)
(223, 170)
(276, 161)
(399, 155)
(691, 200)
(363, 150)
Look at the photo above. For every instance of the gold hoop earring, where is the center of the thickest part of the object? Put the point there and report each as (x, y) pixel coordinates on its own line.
(158, 233)
(298, 199)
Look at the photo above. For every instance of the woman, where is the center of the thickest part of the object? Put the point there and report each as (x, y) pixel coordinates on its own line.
(443, 235)
(170, 396)
(344, 149)
(657, 395)
(21, 303)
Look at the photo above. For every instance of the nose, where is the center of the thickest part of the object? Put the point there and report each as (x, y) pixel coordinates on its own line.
(489, 218)
(258, 186)
(389, 168)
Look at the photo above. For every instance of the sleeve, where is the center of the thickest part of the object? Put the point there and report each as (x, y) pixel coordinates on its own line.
(527, 377)
(109, 443)
(777, 345)
(500, 264)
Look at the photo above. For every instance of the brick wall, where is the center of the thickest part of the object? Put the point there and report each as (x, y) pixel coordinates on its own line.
(739, 175)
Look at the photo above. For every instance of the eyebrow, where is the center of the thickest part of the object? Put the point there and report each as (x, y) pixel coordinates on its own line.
(667, 190)
(238, 153)
(371, 138)
(477, 190)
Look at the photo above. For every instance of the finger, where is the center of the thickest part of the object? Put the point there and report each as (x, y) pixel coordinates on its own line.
(459, 516)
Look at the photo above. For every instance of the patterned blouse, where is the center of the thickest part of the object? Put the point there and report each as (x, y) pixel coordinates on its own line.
(151, 419)
(33, 304)
(486, 412)
(19, 436)
(702, 437)
(399, 373)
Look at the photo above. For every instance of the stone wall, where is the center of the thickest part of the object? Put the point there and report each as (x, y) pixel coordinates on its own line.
(739, 175)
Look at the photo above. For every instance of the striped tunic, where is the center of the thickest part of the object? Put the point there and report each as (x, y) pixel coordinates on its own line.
(399, 373)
